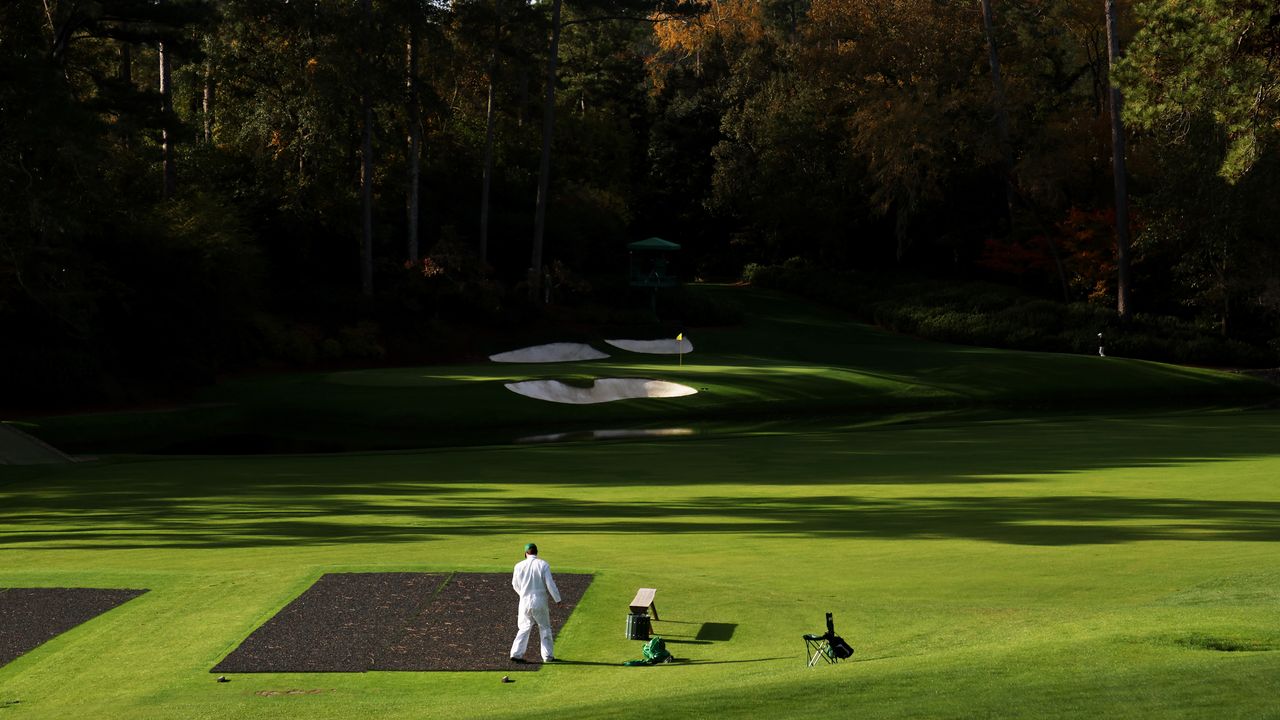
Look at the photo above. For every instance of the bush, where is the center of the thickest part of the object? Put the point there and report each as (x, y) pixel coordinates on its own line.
(998, 316)
(330, 349)
(952, 325)
(758, 274)
(360, 341)
(300, 347)
(278, 341)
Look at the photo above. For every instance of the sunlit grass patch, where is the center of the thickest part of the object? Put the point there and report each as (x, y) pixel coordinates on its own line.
(1061, 557)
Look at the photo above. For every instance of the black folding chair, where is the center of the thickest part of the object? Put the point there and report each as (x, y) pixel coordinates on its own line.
(829, 646)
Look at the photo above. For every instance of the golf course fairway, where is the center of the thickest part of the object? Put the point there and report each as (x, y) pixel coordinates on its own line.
(987, 550)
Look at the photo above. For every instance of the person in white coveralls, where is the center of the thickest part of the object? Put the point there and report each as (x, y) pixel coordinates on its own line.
(532, 581)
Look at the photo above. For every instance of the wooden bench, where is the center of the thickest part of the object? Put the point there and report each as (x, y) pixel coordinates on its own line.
(643, 602)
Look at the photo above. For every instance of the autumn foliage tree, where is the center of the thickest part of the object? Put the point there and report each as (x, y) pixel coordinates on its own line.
(844, 134)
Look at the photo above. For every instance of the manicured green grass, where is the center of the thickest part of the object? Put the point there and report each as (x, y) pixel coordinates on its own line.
(788, 358)
(998, 534)
(1085, 566)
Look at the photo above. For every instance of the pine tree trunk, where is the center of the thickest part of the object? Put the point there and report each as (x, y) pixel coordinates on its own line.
(415, 142)
(1006, 144)
(524, 96)
(206, 103)
(366, 158)
(544, 166)
(489, 122)
(126, 64)
(1002, 113)
(166, 133)
(1118, 168)
(487, 172)
(125, 74)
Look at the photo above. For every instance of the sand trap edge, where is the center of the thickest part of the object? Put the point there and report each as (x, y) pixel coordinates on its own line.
(602, 390)
(552, 352)
(654, 347)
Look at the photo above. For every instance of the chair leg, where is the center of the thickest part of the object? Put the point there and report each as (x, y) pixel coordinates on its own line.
(819, 650)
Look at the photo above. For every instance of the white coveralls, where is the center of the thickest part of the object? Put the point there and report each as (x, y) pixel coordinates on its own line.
(532, 582)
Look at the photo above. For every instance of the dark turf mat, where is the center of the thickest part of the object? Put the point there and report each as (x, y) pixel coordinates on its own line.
(471, 623)
(337, 625)
(355, 622)
(30, 617)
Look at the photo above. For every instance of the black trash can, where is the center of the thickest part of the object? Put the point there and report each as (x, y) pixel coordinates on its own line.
(637, 626)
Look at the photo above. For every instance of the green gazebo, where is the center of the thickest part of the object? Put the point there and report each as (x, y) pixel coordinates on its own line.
(649, 263)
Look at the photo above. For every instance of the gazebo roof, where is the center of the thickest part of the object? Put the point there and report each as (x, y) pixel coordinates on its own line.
(653, 243)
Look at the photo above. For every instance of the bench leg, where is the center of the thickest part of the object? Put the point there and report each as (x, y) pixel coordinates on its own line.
(654, 608)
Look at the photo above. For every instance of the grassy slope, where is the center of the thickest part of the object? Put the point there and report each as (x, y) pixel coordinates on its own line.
(788, 357)
(1034, 568)
(1042, 567)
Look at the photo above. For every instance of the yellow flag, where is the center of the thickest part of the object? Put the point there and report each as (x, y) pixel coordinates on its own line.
(680, 337)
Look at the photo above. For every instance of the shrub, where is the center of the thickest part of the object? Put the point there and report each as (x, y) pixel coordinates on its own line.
(360, 341)
(330, 349)
(952, 325)
(300, 346)
(999, 316)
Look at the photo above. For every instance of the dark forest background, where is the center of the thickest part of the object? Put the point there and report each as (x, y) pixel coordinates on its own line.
(189, 188)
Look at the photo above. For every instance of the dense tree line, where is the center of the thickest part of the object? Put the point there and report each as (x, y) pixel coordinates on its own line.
(188, 186)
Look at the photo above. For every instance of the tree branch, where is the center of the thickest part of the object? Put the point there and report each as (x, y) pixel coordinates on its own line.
(632, 18)
(53, 29)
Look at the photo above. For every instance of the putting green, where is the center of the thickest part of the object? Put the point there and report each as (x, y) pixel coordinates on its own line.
(1120, 566)
(787, 359)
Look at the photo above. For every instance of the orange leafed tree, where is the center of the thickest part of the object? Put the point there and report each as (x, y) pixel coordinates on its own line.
(1089, 254)
(690, 38)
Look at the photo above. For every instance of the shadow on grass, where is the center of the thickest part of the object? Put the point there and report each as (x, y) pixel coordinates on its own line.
(789, 355)
(725, 662)
(957, 482)
(716, 632)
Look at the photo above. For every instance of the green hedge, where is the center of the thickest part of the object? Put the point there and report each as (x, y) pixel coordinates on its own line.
(992, 315)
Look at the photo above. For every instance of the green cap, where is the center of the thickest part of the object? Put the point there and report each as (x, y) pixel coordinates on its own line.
(531, 548)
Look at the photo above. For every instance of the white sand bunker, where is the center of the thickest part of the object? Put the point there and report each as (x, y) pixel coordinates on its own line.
(608, 435)
(554, 352)
(602, 390)
(670, 346)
